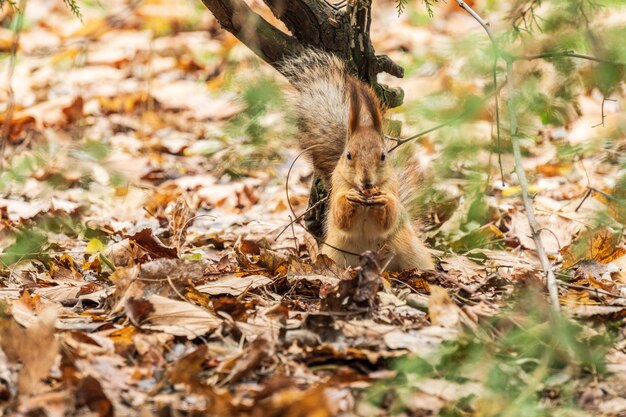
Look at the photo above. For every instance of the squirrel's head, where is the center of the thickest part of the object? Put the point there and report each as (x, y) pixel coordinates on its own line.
(364, 162)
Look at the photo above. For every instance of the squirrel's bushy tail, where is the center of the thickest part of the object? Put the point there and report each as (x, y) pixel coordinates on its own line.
(320, 104)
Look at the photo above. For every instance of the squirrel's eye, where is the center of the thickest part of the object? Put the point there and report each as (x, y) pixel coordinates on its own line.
(349, 156)
(383, 156)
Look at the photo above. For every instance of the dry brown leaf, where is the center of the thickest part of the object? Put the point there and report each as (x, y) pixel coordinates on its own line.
(247, 361)
(233, 284)
(615, 202)
(188, 95)
(34, 347)
(557, 229)
(91, 395)
(147, 241)
(21, 210)
(294, 402)
(442, 310)
(423, 341)
(187, 369)
(179, 318)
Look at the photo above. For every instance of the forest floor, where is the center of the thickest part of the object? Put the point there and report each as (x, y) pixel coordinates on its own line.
(150, 265)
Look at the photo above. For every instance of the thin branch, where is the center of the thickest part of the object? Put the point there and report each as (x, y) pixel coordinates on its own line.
(480, 20)
(8, 114)
(448, 122)
(497, 100)
(400, 142)
(603, 115)
(297, 219)
(593, 290)
(528, 204)
(566, 54)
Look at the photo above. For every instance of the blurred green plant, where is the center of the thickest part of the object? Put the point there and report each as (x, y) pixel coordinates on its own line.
(58, 167)
(71, 4)
(254, 135)
(560, 50)
(528, 361)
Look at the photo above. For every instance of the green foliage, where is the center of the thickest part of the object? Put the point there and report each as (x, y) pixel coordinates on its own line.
(29, 244)
(526, 362)
(401, 6)
(45, 160)
(546, 95)
(259, 138)
(73, 6)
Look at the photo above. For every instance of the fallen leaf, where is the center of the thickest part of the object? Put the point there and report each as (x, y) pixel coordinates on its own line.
(179, 318)
(442, 310)
(602, 245)
(91, 395)
(233, 284)
(34, 347)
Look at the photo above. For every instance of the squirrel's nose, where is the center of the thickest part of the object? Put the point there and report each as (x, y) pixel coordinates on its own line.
(367, 185)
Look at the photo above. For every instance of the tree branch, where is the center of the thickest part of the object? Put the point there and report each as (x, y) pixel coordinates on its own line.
(269, 43)
(313, 23)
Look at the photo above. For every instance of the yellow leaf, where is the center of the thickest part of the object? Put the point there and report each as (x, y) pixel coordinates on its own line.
(616, 207)
(516, 189)
(93, 28)
(554, 169)
(94, 246)
(123, 336)
(602, 245)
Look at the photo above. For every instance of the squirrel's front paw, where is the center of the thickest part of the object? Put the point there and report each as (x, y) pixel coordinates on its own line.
(380, 199)
(355, 197)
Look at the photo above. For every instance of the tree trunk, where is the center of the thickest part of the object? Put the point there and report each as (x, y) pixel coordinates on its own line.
(342, 28)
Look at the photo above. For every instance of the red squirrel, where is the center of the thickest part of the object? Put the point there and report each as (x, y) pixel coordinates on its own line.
(340, 123)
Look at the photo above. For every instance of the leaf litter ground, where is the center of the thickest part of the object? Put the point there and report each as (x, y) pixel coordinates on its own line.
(149, 262)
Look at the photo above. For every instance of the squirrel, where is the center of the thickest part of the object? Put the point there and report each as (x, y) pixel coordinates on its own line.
(340, 124)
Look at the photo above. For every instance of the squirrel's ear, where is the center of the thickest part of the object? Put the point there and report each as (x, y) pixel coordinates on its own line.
(373, 108)
(355, 108)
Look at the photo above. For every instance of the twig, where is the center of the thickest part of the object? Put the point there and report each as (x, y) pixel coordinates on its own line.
(297, 219)
(528, 204)
(448, 122)
(480, 20)
(585, 197)
(400, 142)
(497, 100)
(8, 115)
(604, 99)
(596, 290)
(567, 54)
